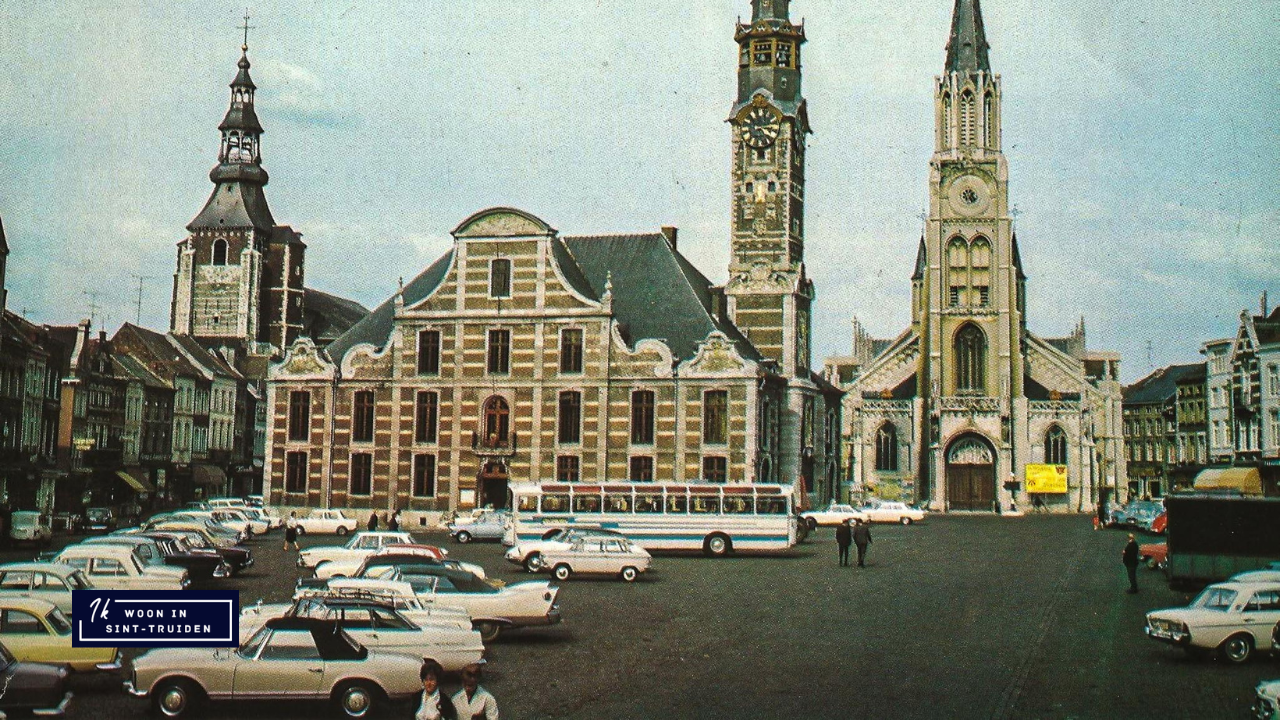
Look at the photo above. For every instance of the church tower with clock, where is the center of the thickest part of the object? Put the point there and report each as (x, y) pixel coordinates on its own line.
(768, 294)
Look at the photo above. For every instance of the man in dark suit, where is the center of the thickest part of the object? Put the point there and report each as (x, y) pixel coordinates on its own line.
(1130, 558)
(861, 538)
(844, 538)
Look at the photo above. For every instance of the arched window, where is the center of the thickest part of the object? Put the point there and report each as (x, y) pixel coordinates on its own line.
(971, 357)
(966, 118)
(945, 125)
(957, 264)
(219, 252)
(988, 121)
(497, 420)
(1055, 446)
(980, 273)
(887, 448)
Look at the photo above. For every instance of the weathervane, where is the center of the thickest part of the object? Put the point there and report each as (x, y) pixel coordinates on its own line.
(246, 27)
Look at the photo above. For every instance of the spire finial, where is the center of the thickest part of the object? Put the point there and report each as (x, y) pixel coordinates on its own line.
(246, 28)
(967, 46)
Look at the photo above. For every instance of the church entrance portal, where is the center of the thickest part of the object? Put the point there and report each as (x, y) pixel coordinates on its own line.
(971, 474)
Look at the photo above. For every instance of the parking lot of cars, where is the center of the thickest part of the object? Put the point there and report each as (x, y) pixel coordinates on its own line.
(958, 617)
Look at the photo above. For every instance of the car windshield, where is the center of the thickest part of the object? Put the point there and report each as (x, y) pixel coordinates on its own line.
(77, 581)
(59, 622)
(1216, 598)
(250, 647)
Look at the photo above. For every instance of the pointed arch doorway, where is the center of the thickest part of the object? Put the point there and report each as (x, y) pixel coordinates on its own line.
(971, 473)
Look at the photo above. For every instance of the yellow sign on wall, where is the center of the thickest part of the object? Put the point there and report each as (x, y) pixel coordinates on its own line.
(1046, 478)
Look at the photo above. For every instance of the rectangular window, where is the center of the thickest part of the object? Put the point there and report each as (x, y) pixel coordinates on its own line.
(500, 351)
(299, 415)
(426, 417)
(500, 278)
(570, 417)
(295, 478)
(641, 468)
(642, 417)
(424, 475)
(715, 469)
(984, 296)
(362, 417)
(715, 417)
(567, 468)
(1273, 380)
(954, 299)
(571, 351)
(361, 474)
(429, 352)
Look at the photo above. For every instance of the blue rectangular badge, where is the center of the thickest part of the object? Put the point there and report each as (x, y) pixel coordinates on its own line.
(155, 618)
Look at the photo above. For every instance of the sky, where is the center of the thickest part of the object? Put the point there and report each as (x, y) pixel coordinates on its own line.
(1142, 140)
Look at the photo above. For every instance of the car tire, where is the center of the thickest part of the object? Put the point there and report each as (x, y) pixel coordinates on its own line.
(488, 629)
(629, 574)
(1237, 649)
(301, 531)
(533, 563)
(904, 520)
(811, 524)
(356, 699)
(463, 537)
(342, 530)
(717, 545)
(174, 697)
(562, 572)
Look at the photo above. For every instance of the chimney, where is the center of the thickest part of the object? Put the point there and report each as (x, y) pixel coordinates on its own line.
(719, 304)
(82, 338)
(670, 233)
(1264, 303)
(102, 336)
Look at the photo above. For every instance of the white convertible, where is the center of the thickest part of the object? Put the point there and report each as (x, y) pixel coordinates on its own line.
(1233, 618)
(493, 605)
(359, 547)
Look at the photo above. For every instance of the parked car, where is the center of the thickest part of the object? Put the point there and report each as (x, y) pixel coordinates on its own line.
(271, 664)
(834, 514)
(529, 554)
(481, 525)
(1266, 704)
(36, 630)
(237, 557)
(146, 550)
(493, 606)
(99, 519)
(201, 564)
(597, 556)
(48, 581)
(1158, 523)
(327, 522)
(378, 625)
(1155, 555)
(1256, 576)
(117, 568)
(889, 511)
(1137, 513)
(398, 593)
(30, 526)
(377, 563)
(1233, 618)
(32, 688)
(360, 546)
(214, 534)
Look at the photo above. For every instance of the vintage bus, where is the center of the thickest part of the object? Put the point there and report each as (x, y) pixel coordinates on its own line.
(715, 518)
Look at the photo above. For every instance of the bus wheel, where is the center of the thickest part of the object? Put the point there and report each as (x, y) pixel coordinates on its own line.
(716, 545)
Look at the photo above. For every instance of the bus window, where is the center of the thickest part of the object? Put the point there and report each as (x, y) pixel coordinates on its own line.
(771, 506)
(555, 503)
(704, 504)
(586, 503)
(528, 503)
(618, 503)
(737, 506)
(648, 503)
(677, 504)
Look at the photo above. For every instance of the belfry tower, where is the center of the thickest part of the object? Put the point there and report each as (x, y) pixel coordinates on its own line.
(239, 276)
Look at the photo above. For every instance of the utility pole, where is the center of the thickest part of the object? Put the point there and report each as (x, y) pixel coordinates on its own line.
(94, 307)
(140, 279)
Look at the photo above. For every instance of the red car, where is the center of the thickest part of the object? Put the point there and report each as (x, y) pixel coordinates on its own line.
(1155, 555)
(1159, 523)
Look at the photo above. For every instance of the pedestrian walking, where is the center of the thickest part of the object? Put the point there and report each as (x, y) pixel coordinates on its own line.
(434, 705)
(291, 531)
(373, 521)
(394, 523)
(1130, 558)
(861, 538)
(844, 538)
(473, 702)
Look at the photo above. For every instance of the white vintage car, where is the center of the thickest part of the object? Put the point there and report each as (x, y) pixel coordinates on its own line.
(295, 659)
(888, 511)
(1233, 618)
(388, 555)
(493, 605)
(528, 554)
(44, 581)
(360, 546)
(400, 594)
(327, 522)
(834, 514)
(113, 567)
(378, 625)
(597, 556)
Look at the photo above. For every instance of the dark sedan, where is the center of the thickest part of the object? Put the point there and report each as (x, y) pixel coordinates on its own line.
(237, 557)
(201, 564)
(32, 688)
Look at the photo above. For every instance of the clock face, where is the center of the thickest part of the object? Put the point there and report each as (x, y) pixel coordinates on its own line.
(759, 128)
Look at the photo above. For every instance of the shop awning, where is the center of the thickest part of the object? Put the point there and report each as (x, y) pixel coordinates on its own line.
(208, 475)
(136, 478)
(1245, 480)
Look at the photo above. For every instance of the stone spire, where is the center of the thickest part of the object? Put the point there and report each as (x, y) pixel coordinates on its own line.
(967, 47)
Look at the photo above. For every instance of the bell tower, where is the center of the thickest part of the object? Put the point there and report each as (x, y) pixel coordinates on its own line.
(769, 295)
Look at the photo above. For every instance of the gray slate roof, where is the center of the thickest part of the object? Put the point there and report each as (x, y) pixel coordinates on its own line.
(327, 316)
(235, 205)
(1161, 385)
(967, 47)
(375, 327)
